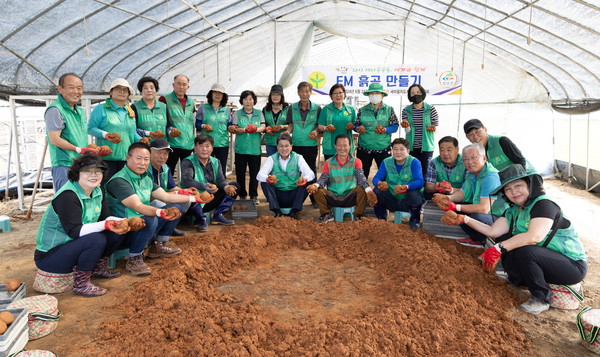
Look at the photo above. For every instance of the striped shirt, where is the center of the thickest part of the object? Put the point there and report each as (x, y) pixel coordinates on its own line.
(418, 123)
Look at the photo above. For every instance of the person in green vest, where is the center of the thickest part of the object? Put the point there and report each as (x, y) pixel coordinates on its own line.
(475, 196)
(336, 118)
(420, 121)
(152, 117)
(446, 172)
(248, 123)
(535, 241)
(113, 125)
(275, 113)
(129, 193)
(375, 124)
(214, 118)
(346, 183)
(501, 152)
(181, 109)
(283, 178)
(77, 233)
(66, 125)
(202, 171)
(398, 184)
(302, 125)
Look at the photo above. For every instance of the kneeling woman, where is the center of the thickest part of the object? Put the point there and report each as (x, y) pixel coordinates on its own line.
(536, 242)
(76, 233)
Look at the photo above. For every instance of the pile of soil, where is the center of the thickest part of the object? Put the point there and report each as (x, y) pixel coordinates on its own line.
(286, 287)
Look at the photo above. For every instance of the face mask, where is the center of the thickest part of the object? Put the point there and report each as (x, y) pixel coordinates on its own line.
(375, 98)
(417, 98)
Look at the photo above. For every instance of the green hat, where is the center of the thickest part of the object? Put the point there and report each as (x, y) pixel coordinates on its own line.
(375, 87)
(511, 173)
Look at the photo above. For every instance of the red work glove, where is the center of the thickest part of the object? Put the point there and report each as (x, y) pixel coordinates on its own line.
(330, 128)
(157, 134)
(204, 198)
(431, 128)
(174, 133)
(491, 256)
(301, 181)
(114, 138)
(451, 218)
(272, 179)
(443, 187)
(443, 202)
(185, 192)
(382, 186)
(207, 128)
(313, 135)
(87, 150)
(361, 129)
(404, 124)
(251, 129)
(349, 126)
(400, 189)
(269, 130)
(104, 150)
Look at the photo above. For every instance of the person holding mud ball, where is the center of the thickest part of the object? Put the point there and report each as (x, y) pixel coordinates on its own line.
(275, 113)
(152, 117)
(77, 233)
(445, 173)
(535, 241)
(129, 194)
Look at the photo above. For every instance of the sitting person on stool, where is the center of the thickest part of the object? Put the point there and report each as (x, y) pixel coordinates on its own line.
(536, 242)
(475, 195)
(283, 178)
(446, 172)
(398, 184)
(202, 171)
(346, 183)
(129, 194)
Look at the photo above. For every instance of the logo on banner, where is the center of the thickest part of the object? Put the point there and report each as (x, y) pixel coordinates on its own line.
(317, 79)
(448, 79)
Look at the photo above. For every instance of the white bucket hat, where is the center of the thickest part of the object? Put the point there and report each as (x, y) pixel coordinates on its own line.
(218, 88)
(121, 82)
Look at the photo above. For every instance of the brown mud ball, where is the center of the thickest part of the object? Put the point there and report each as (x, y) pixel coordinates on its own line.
(136, 223)
(330, 128)
(205, 196)
(2, 327)
(243, 207)
(13, 284)
(7, 317)
(276, 128)
(92, 146)
(441, 201)
(122, 224)
(235, 208)
(172, 213)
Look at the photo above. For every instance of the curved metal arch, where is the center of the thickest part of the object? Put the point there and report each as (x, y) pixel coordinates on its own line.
(37, 16)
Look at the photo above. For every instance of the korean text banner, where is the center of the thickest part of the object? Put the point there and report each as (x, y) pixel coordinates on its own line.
(395, 79)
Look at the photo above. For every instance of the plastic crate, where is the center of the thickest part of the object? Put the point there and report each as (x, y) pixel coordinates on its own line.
(250, 213)
(17, 335)
(433, 225)
(7, 297)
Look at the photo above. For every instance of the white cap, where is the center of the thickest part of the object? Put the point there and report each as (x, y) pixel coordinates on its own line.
(218, 88)
(123, 83)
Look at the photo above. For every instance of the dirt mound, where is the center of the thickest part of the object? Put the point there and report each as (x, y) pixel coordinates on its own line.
(287, 287)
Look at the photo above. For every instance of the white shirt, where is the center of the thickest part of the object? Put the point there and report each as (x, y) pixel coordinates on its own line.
(267, 167)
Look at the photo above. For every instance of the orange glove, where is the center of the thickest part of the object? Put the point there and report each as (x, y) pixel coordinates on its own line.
(349, 126)
(157, 134)
(451, 218)
(272, 179)
(361, 129)
(431, 128)
(313, 135)
(371, 198)
(232, 129)
(400, 189)
(114, 138)
(382, 186)
(330, 128)
(207, 128)
(174, 133)
(145, 140)
(404, 124)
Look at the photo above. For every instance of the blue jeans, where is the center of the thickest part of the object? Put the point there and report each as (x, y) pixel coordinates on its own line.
(156, 229)
(59, 177)
(271, 149)
(386, 201)
(285, 199)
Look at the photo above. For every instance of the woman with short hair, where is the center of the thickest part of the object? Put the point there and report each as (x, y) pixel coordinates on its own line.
(152, 117)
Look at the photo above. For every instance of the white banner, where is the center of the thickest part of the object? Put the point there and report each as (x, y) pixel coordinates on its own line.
(395, 79)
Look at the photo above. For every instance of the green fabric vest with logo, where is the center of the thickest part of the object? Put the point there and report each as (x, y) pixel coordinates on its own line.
(565, 241)
(341, 178)
(142, 187)
(151, 119)
(51, 232)
(427, 140)
(75, 132)
(496, 156)
(125, 127)
(457, 176)
(198, 172)
(395, 178)
(473, 195)
(246, 143)
(163, 179)
(371, 140)
(270, 121)
(339, 118)
(184, 122)
(301, 132)
(218, 120)
(286, 179)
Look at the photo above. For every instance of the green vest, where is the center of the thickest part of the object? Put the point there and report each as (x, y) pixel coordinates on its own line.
(286, 179)
(341, 178)
(198, 172)
(151, 119)
(496, 156)
(51, 232)
(75, 132)
(565, 241)
(142, 187)
(301, 132)
(395, 178)
(371, 140)
(457, 177)
(339, 118)
(125, 128)
(218, 120)
(163, 179)
(472, 194)
(246, 143)
(427, 140)
(270, 121)
(184, 122)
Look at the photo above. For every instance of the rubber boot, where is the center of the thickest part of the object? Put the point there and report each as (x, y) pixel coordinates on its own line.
(101, 272)
(225, 206)
(415, 217)
(196, 210)
(83, 286)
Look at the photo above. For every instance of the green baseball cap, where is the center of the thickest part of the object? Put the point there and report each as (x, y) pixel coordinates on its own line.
(375, 87)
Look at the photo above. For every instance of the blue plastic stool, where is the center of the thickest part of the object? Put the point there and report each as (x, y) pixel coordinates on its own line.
(5, 223)
(285, 210)
(119, 254)
(399, 215)
(339, 212)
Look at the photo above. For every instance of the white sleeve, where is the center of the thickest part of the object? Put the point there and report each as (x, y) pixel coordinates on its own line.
(96, 227)
(265, 170)
(308, 174)
(407, 130)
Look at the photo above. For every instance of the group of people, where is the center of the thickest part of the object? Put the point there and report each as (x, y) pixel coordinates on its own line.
(490, 190)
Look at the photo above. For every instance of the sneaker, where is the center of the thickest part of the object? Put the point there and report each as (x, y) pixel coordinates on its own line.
(468, 242)
(136, 266)
(327, 217)
(256, 200)
(534, 305)
(160, 249)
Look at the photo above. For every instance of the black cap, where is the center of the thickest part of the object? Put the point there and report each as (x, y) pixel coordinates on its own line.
(473, 124)
(276, 88)
(160, 144)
